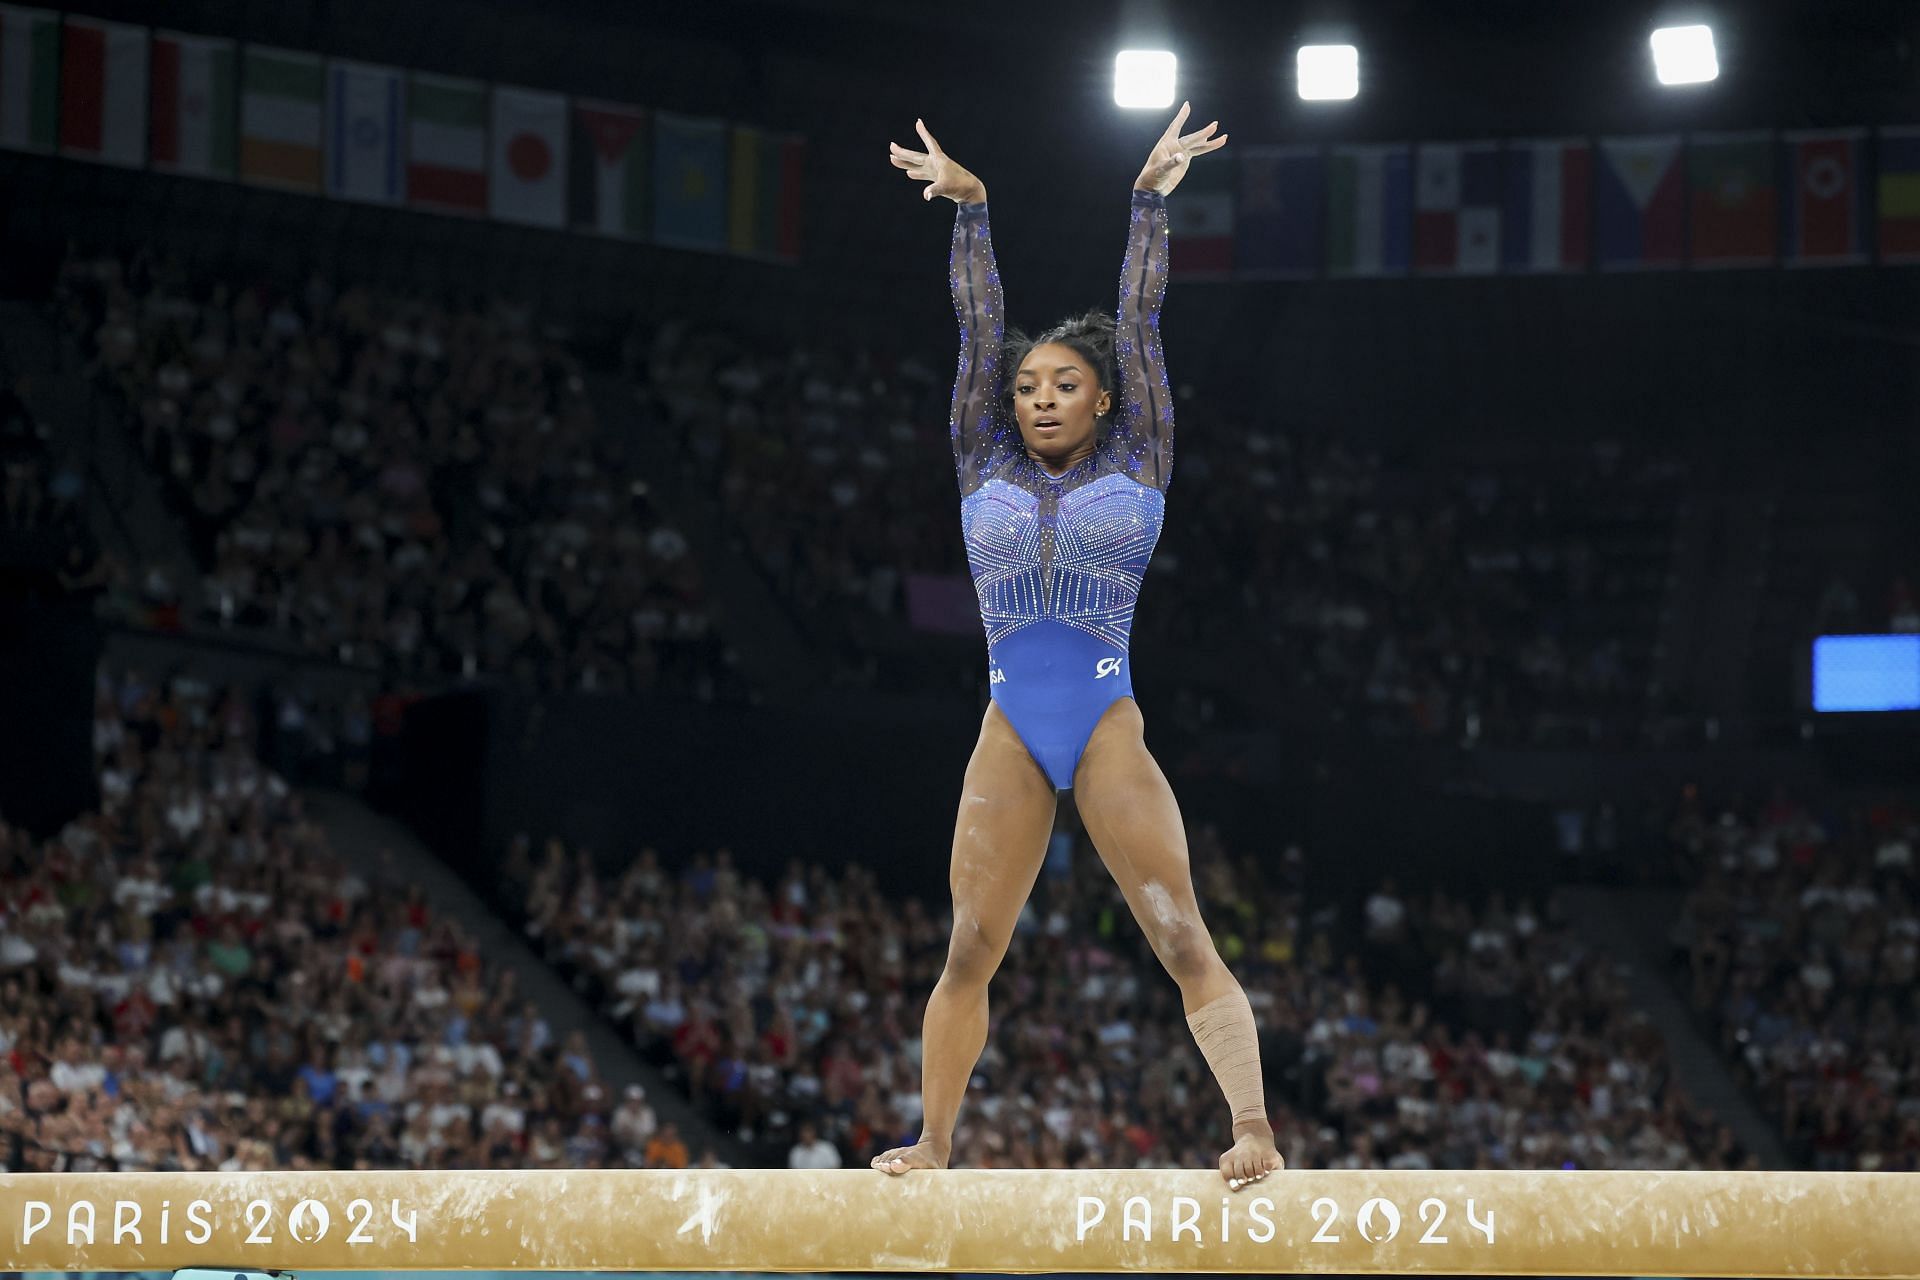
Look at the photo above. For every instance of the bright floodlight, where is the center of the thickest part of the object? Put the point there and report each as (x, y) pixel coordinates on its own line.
(1684, 55)
(1328, 71)
(1143, 78)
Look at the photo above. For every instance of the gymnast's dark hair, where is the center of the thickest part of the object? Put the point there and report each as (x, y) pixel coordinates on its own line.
(1091, 335)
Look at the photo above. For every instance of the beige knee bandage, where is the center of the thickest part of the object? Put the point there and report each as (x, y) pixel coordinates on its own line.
(1225, 1033)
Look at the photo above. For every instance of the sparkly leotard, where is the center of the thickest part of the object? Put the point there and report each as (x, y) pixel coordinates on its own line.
(1057, 560)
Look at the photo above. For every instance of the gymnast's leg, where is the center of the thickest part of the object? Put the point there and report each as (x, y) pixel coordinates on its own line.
(999, 841)
(1134, 822)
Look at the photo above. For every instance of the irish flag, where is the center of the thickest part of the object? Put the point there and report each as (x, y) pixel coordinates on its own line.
(103, 92)
(29, 71)
(192, 105)
(281, 92)
(447, 144)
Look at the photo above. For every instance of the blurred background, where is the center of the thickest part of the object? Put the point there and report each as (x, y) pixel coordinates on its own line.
(486, 659)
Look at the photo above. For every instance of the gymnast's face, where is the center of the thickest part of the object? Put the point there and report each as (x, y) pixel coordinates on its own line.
(1056, 399)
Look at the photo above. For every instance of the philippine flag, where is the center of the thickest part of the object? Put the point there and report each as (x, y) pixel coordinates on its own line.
(1641, 199)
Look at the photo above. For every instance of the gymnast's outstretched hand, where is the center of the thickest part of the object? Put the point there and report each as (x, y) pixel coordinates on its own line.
(945, 175)
(1171, 155)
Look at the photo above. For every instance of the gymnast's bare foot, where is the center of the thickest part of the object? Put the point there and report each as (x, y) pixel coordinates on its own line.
(1252, 1157)
(924, 1154)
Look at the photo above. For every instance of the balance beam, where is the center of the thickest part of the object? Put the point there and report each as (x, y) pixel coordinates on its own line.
(1354, 1222)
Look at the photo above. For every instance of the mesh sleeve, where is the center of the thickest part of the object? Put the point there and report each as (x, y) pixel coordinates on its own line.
(978, 421)
(1144, 427)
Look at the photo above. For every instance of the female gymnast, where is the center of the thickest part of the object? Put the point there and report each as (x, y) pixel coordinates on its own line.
(1061, 500)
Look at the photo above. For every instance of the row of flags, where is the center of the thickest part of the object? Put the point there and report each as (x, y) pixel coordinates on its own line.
(1828, 197)
(213, 108)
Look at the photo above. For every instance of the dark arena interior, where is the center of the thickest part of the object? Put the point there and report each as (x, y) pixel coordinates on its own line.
(606, 665)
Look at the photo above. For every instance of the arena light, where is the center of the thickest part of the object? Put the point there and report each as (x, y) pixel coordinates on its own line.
(1684, 55)
(1143, 78)
(1328, 72)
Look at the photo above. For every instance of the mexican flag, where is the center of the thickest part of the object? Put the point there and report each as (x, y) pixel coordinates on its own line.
(447, 144)
(280, 100)
(192, 110)
(29, 71)
(103, 92)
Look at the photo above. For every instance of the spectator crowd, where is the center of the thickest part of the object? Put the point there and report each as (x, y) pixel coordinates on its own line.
(403, 483)
(191, 978)
(1800, 938)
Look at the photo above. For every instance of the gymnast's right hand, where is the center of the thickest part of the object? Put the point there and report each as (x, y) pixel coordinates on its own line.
(944, 175)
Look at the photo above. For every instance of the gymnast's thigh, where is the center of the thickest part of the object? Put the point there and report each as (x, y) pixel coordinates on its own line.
(999, 840)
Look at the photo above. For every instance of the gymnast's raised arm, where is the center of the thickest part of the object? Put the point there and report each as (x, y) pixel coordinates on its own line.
(1145, 421)
(977, 424)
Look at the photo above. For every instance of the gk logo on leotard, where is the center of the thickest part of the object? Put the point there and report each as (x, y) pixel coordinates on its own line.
(1106, 667)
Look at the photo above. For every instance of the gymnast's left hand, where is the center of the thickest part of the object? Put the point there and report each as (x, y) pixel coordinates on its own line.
(1171, 155)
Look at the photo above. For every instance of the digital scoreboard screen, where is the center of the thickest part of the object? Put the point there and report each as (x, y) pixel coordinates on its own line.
(1866, 673)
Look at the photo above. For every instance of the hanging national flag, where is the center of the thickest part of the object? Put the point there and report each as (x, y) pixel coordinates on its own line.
(103, 92)
(1640, 202)
(689, 182)
(1369, 210)
(1826, 210)
(1456, 217)
(611, 180)
(1277, 213)
(528, 182)
(193, 105)
(29, 76)
(763, 194)
(1547, 221)
(1899, 202)
(1200, 223)
(1734, 199)
(364, 111)
(446, 144)
(281, 93)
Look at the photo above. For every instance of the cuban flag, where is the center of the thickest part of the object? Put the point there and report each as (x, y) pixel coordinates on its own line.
(1456, 212)
(1547, 217)
(1640, 198)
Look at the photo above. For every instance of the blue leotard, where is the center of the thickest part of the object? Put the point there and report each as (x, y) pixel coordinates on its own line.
(1057, 560)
